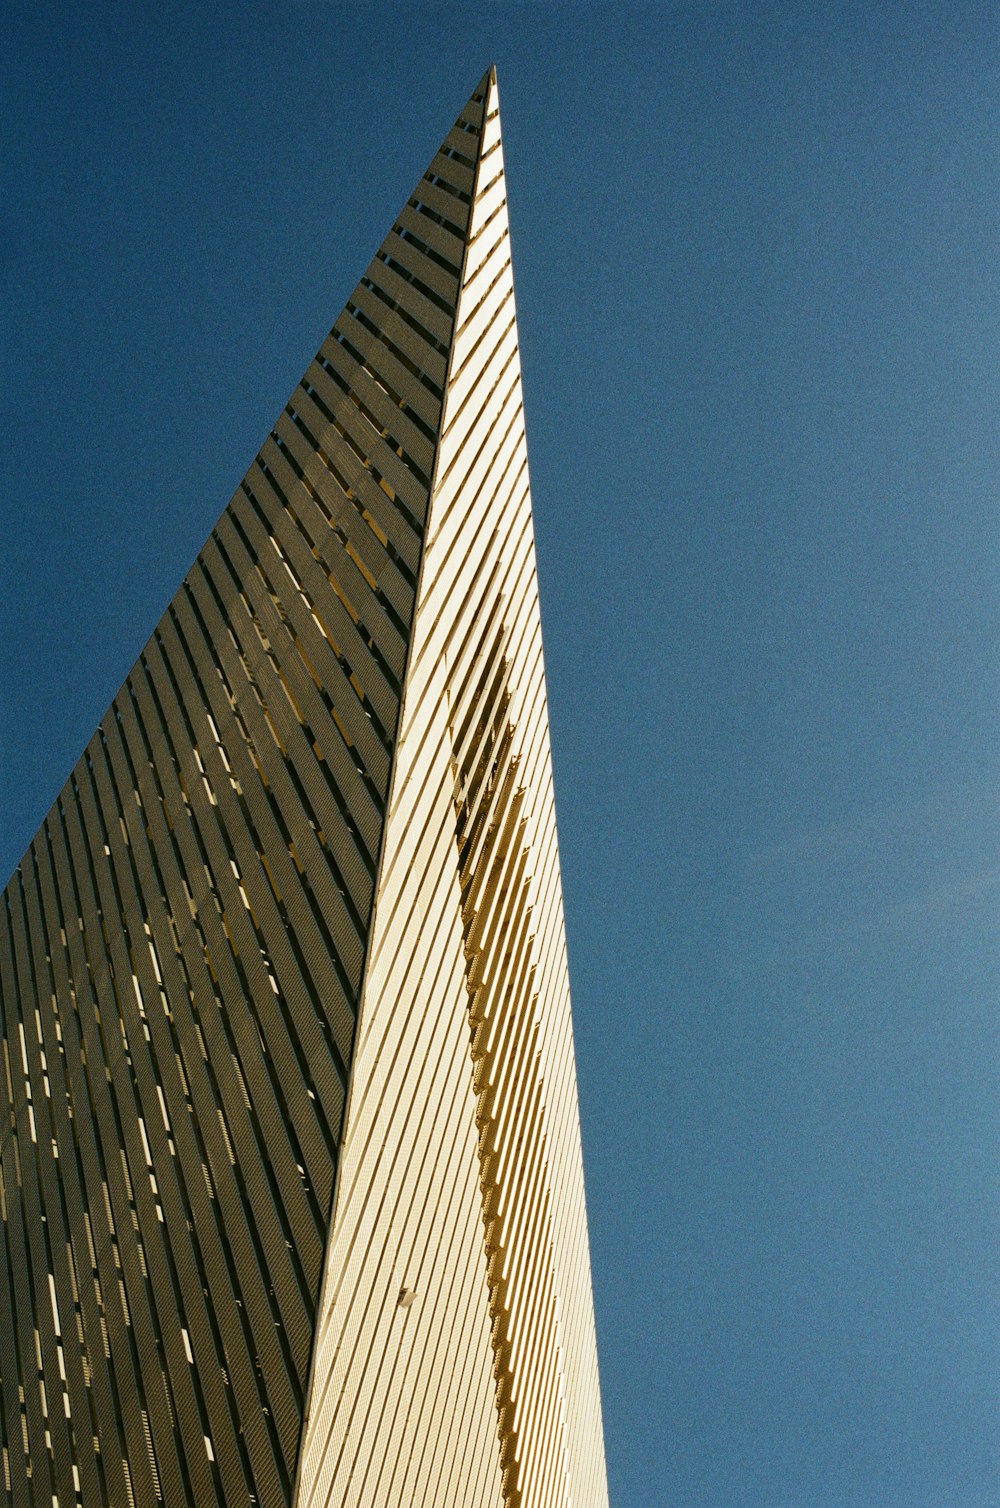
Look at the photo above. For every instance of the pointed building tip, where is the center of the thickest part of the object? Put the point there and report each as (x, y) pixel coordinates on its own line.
(486, 83)
(481, 101)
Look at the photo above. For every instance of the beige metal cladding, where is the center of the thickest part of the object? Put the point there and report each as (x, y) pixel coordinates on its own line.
(455, 1359)
(182, 947)
(308, 861)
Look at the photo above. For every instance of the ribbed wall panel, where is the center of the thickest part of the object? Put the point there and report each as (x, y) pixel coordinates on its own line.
(291, 1199)
(462, 1148)
(182, 948)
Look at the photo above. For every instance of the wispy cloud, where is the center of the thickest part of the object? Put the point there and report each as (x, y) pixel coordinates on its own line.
(910, 871)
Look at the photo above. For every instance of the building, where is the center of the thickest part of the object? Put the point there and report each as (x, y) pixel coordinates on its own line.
(292, 1195)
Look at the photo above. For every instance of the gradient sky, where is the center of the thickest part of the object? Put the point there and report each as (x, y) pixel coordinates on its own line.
(756, 252)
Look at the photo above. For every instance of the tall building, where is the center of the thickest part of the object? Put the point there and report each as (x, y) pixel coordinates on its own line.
(290, 1175)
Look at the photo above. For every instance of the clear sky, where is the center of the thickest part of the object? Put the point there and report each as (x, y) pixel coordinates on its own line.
(756, 252)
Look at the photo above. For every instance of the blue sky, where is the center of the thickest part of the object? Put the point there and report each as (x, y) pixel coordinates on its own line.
(759, 299)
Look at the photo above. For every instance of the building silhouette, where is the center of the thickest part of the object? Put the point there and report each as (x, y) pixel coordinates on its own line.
(290, 1174)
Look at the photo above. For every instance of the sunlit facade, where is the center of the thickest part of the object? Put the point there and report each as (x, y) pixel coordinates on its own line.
(292, 1194)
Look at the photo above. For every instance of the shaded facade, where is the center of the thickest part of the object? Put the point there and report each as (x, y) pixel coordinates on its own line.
(290, 1178)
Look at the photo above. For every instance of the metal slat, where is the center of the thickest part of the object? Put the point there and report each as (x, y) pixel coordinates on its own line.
(387, 414)
(155, 1131)
(370, 449)
(255, 1014)
(402, 376)
(429, 360)
(299, 613)
(131, 1073)
(79, 1156)
(237, 1287)
(355, 795)
(370, 748)
(257, 802)
(111, 1133)
(454, 173)
(346, 514)
(42, 1202)
(453, 211)
(226, 1300)
(433, 278)
(144, 899)
(272, 944)
(18, 1350)
(315, 569)
(411, 301)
